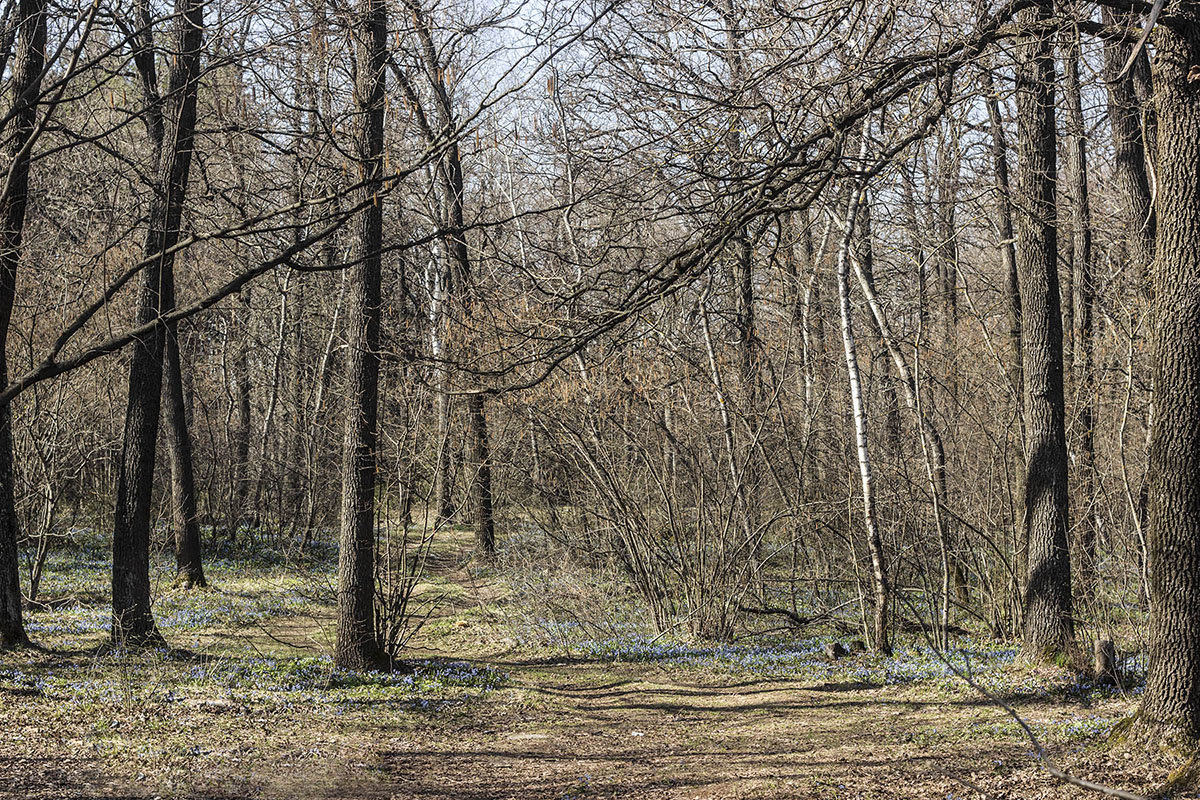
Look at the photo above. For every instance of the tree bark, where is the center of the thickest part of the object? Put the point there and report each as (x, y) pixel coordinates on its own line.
(133, 621)
(1081, 226)
(357, 644)
(1049, 629)
(1004, 225)
(485, 527)
(241, 513)
(26, 87)
(946, 261)
(1129, 162)
(1172, 700)
(879, 579)
(189, 565)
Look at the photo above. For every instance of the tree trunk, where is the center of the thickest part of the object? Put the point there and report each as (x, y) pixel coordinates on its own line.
(1172, 701)
(1144, 94)
(485, 528)
(189, 568)
(26, 86)
(241, 513)
(443, 488)
(1081, 225)
(1049, 628)
(443, 478)
(946, 260)
(1129, 162)
(879, 578)
(357, 643)
(1004, 225)
(931, 439)
(133, 622)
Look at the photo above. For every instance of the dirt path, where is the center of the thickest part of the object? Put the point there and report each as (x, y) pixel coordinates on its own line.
(631, 731)
(564, 730)
(707, 729)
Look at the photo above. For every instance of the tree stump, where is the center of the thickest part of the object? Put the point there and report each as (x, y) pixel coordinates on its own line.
(835, 650)
(1105, 665)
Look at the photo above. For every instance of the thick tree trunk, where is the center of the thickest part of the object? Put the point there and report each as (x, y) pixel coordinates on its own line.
(26, 86)
(133, 622)
(1172, 701)
(357, 643)
(1049, 629)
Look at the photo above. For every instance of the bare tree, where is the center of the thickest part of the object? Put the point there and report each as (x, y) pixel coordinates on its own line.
(1083, 302)
(1004, 229)
(189, 565)
(1049, 626)
(1171, 709)
(879, 579)
(357, 646)
(133, 621)
(18, 149)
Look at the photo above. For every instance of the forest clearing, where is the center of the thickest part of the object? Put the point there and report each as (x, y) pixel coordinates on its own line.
(540, 708)
(599, 398)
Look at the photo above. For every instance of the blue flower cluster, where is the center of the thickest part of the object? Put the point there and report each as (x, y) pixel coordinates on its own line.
(76, 621)
(798, 659)
(196, 610)
(1082, 729)
(236, 555)
(804, 659)
(22, 680)
(319, 674)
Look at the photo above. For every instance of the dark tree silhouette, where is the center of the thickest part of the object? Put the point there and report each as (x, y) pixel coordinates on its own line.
(357, 645)
(26, 86)
(133, 620)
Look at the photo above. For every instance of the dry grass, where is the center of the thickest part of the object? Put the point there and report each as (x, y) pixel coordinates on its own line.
(255, 710)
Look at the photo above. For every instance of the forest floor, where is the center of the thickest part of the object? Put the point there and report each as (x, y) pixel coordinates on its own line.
(505, 703)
